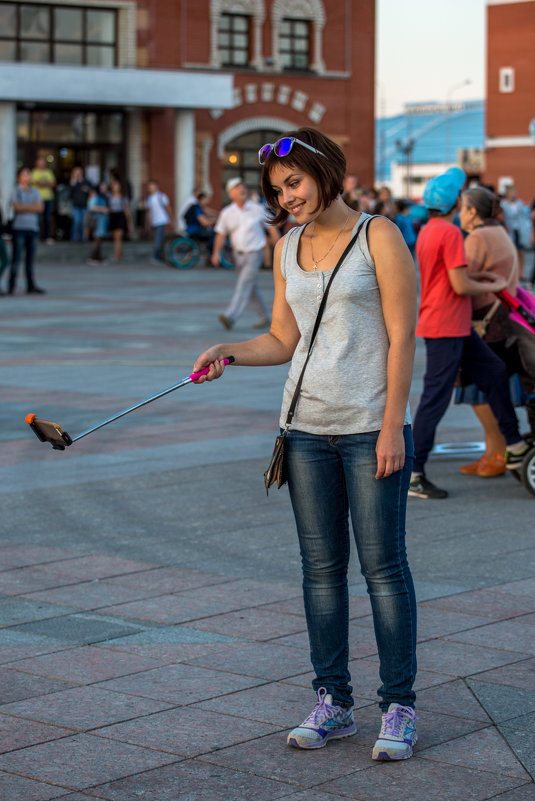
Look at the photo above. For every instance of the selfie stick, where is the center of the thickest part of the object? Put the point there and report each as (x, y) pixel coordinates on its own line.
(46, 431)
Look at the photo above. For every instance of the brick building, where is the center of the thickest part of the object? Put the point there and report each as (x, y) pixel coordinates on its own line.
(510, 126)
(185, 91)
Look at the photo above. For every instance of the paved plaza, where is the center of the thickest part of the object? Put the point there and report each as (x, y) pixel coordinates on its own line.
(152, 635)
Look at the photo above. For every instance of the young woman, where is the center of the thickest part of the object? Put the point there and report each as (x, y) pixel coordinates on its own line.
(120, 218)
(488, 248)
(350, 447)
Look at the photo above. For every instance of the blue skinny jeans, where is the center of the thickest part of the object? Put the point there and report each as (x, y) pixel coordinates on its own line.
(331, 478)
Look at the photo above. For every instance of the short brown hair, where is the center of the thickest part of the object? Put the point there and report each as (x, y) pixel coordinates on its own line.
(327, 171)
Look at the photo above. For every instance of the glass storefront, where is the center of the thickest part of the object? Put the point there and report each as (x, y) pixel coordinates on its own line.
(67, 137)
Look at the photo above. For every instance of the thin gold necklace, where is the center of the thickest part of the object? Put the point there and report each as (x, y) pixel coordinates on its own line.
(317, 261)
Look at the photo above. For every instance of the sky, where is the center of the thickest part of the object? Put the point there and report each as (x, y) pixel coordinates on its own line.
(427, 50)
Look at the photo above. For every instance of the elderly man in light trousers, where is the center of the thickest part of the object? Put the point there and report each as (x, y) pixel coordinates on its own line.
(246, 223)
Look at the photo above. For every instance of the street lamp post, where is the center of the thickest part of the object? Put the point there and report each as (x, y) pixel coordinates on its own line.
(451, 90)
(406, 148)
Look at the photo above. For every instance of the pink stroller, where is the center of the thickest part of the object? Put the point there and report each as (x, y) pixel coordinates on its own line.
(522, 316)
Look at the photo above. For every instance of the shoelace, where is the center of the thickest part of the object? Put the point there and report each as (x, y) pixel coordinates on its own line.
(393, 722)
(321, 708)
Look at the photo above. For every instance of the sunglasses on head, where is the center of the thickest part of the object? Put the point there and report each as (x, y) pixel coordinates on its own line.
(282, 147)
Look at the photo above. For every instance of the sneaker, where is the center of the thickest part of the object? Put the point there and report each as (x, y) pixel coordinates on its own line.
(420, 487)
(397, 735)
(265, 322)
(36, 290)
(225, 321)
(472, 468)
(514, 460)
(326, 722)
(493, 465)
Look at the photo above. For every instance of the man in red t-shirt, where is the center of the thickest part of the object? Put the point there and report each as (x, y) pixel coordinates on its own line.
(444, 321)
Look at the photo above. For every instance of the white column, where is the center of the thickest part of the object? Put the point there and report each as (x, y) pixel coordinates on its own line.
(184, 158)
(8, 151)
(133, 156)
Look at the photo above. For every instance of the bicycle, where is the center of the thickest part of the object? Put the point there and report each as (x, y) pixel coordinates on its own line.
(184, 252)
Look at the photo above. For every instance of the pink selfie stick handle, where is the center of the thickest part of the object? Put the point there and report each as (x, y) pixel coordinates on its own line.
(195, 376)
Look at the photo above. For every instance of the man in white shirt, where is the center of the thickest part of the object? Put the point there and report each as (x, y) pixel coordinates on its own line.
(246, 223)
(158, 207)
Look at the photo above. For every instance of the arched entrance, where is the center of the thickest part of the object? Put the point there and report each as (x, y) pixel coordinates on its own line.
(241, 157)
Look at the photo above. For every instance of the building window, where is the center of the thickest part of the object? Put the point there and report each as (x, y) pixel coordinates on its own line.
(507, 79)
(234, 40)
(58, 34)
(294, 44)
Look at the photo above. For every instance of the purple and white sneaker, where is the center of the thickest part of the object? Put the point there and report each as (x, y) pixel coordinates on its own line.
(327, 721)
(397, 735)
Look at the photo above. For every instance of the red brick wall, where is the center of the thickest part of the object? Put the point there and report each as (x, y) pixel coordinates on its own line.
(180, 36)
(510, 43)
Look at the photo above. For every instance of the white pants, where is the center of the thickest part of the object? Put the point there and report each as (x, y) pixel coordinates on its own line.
(247, 266)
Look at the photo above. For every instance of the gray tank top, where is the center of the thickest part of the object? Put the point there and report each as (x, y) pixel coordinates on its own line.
(344, 386)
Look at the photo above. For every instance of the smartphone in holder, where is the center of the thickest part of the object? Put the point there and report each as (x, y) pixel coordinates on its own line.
(46, 431)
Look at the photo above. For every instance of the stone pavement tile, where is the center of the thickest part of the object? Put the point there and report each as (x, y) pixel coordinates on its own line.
(17, 733)
(167, 635)
(272, 758)
(186, 731)
(264, 660)
(483, 750)
(82, 761)
(170, 609)
(522, 587)
(433, 727)
(462, 659)
(24, 580)
(87, 664)
(168, 653)
(9, 654)
(252, 624)
(19, 788)
(440, 622)
(526, 620)
(453, 698)
(179, 684)
(291, 606)
(524, 722)
(193, 780)
(283, 705)
(489, 603)
(524, 793)
(520, 674)
(79, 797)
(509, 635)
(166, 580)
(23, 610)
(501, 702)
(92, 594)
(20, 554)
(81, 628)
(248, 593)
(84, 708)
(421, 780)
(17, 686)
(310, 795)
(523, 744)
(94, 566)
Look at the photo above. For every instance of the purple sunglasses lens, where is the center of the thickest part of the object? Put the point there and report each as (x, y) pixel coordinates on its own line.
(283, 146)
(264, 153)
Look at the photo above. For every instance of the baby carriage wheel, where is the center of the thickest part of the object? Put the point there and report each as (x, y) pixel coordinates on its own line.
(527, 471)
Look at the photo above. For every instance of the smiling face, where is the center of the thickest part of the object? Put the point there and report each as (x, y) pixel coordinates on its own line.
(296, 192)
